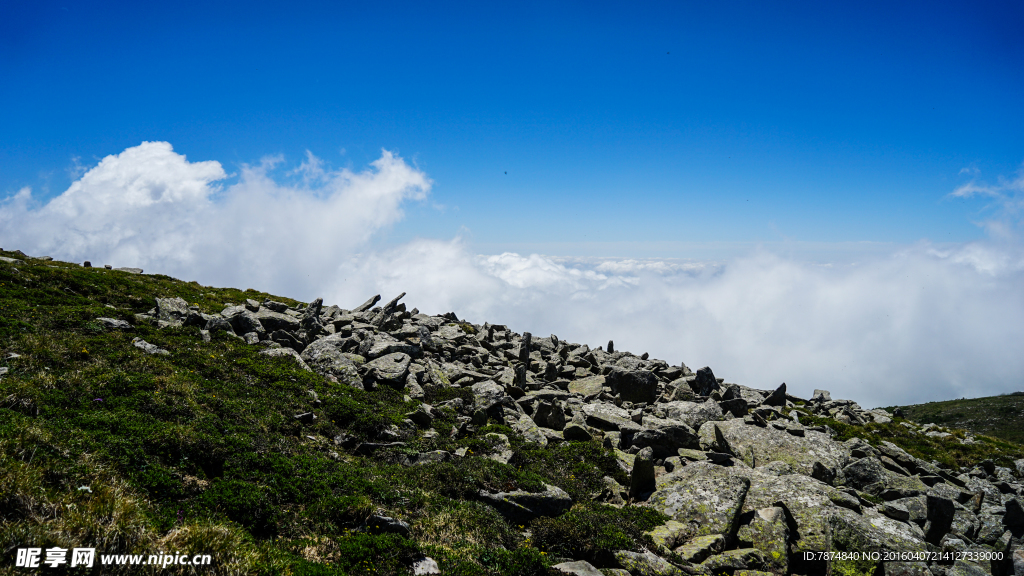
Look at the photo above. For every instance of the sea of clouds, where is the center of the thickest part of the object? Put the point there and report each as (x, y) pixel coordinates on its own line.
(917, 324)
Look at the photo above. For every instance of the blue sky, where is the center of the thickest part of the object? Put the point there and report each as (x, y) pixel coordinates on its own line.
(827, 195)
(668, 122)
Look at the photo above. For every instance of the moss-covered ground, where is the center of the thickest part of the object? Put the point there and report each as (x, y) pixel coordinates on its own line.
(105, 446)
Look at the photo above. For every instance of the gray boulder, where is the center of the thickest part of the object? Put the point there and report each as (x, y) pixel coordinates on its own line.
(245, 321)
(700, 548)
(577, 568)
(529, 430)
(172, 311)
(759, 447)
(389, 369)
(693, 414)
(646, 563)
(588, 387)
(851, 531)
(633, 385)
(273, 321)
(778, 397)
(865, 472)
(550, 415)
(707, 497)
(705, 382)
(114, 324)
(665, 437)
(730, 561)
(641, 479)
(286, 352)
(768, 532)
(487, 394)
(148, 348)
(608, 417)
(521, 506)
(325, 357)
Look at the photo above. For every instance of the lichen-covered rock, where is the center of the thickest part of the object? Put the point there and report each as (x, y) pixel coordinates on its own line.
(668, 535)
(608, 417)
(965, 568)
(588, 387)
(501, 448)
(700, 548)
(769, 533)
(864, 472)
(807, 500)
(706, 497)
(577, 568)
(693, 414)
(521, 506)
(907, 569)
(273, 321)
(876, 533)
(171, 311)
(731, 560)
(390, 368)
(279, 352)
(645, 564)
(758, 446)
(529, 430)
(486, 394)
(665, 437)
(325, 357)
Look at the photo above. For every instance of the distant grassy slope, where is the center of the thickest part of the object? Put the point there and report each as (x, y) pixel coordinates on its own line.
(996, 416)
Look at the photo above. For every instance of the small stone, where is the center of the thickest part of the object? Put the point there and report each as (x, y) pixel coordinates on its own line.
(148, 348)
(380, 524)
(425, 566)
(114, 323)
(577, 568)
(306, 417)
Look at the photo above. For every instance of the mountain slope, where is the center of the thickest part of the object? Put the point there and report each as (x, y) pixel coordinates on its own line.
(997, 416)
(281, 437)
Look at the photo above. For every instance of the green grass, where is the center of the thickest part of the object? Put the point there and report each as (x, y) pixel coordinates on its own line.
(947, 451)
(102, 445)
(995, 416)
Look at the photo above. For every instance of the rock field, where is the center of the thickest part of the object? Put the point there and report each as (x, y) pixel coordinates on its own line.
(750, 485)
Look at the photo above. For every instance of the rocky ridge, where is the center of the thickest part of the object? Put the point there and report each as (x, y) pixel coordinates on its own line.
(752, 480)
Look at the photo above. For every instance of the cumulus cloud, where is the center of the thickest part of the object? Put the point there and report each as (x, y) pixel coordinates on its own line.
(919, 323)
(150, 207)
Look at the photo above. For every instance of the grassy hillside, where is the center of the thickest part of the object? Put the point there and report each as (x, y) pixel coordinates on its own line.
(997, 416)
(104, 445)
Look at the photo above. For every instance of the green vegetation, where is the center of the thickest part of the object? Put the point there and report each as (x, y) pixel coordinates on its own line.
(995, 416)
(103, 445)
(947, 451)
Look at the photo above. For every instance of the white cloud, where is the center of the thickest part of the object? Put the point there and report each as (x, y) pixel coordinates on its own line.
(1007, 203)
(920, 323)
(152, 208)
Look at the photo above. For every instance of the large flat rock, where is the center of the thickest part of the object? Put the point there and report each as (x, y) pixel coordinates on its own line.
(705, 497)
(758, 446)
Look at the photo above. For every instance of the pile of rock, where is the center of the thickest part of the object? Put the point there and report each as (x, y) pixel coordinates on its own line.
(748, 487)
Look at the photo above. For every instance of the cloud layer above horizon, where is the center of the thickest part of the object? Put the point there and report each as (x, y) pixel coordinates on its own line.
(916, 325)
